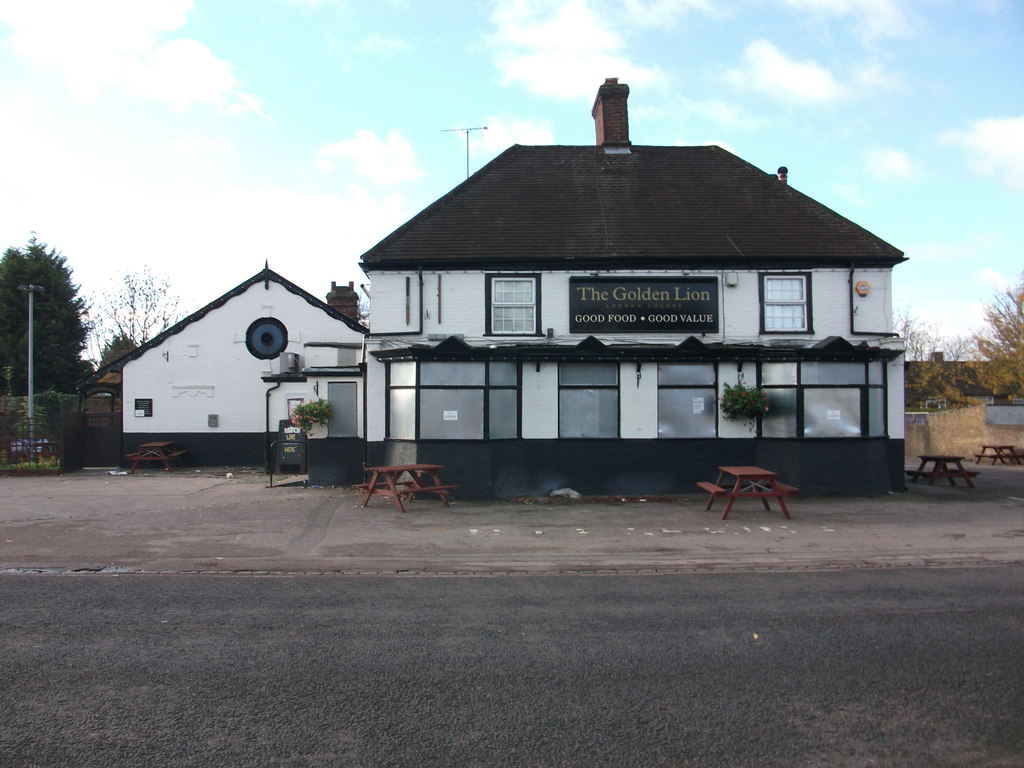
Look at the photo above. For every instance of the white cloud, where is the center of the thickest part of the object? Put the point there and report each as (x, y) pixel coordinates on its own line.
(722, 113)
(114, 44)
(503, 132)
(998, 281)
(383, 47)
(562, 49)
(873, 77)
(994, 147)
(385, 162)
(110, 215)
(890, 165)
(772, 73)
(872, 19)
(658, 13)
(194, 142)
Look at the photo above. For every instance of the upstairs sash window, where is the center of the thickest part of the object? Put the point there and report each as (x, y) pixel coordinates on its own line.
(785, 303)
(512, 305)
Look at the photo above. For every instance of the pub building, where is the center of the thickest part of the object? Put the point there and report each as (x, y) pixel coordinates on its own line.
(569, 317)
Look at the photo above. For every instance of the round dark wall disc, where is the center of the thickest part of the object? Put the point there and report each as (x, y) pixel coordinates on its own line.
(266, 338)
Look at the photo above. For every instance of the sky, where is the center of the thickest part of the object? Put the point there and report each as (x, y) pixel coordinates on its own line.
(204, 138)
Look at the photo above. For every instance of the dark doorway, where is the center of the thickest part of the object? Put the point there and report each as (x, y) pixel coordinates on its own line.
(92, 440)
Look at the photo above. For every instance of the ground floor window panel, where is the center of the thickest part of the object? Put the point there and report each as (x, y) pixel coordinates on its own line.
(780, 420)
(588, 400)
(687, 400)
(832, 412)
(453, 401)
(344, 399)
(824, 399)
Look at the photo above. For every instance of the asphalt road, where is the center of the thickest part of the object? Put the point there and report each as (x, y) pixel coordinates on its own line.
(856, 668)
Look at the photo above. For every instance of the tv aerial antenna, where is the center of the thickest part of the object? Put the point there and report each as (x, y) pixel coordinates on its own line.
(465, 132)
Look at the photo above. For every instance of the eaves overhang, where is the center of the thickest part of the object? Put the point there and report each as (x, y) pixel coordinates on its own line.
(591, 349)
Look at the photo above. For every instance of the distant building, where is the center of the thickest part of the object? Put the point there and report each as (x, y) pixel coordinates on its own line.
(220, 382)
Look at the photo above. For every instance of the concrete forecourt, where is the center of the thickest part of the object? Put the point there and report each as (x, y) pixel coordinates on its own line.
(228, 520)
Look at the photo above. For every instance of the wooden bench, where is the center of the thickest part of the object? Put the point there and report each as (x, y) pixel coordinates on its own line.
(714, 490)
(941, 466)
(403, 482)
(1004, 454)
(169, 458)
(408, 489)
(916, 473)
(752, 483)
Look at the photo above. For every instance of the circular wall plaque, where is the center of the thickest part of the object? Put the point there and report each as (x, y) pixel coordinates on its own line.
(266, 338)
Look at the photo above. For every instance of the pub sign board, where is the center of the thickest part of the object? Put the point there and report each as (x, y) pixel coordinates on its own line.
(651, 305)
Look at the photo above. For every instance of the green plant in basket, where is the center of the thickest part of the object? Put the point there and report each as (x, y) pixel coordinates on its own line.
(305, 415)
(743, 402)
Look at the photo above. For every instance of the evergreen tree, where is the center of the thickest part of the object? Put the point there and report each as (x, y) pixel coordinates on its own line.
(59, 315)
(116, 348)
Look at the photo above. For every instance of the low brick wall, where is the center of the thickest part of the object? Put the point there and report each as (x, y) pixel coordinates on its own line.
(961, 432)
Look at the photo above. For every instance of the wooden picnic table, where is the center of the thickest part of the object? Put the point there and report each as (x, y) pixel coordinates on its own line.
(1004, 454)
(942, 466)
(403, 481)
(749, 482)
(158, 452)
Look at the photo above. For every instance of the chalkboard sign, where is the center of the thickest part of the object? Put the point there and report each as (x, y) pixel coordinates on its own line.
(290, 453)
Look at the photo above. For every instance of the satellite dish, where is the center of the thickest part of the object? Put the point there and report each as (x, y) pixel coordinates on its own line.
(266, 338)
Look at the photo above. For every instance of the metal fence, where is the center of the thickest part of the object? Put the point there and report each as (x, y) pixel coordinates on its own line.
(24, 445)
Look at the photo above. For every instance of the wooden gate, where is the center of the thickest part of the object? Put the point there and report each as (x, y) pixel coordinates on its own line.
(92, 440)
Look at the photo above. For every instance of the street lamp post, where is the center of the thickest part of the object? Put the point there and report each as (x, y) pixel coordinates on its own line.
(32, 291)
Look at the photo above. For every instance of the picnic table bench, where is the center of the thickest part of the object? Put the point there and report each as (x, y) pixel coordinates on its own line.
(160, 452)
(1004, 454)
(750, 483)
(400, 482)
(942, 466)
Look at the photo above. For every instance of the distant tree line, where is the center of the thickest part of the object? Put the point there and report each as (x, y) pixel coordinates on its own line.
(959, 369)
(71, 336)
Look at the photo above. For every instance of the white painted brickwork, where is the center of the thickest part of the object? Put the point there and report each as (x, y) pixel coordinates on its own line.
(455, 305)
(461, 304)
(207, 369)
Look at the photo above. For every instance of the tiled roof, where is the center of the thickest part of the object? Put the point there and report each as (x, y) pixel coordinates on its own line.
(565, 206)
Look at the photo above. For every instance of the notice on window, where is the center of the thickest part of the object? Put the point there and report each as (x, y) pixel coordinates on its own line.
(698, 405)
(451, 416)
(833, 414)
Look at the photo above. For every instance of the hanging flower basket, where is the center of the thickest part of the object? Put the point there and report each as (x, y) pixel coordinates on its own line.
(743, 402)
(305, 415)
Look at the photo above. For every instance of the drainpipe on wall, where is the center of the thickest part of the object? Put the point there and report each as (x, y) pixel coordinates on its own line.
(266, 416)
(849, 291)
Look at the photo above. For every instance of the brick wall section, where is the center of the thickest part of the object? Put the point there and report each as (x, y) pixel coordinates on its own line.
(611, 115)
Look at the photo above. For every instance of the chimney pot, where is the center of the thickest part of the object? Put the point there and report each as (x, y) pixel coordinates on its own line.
(345, 300)
(784, 175)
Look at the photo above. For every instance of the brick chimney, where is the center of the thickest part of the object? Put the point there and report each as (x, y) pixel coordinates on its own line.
(345, 300)
(611, 116)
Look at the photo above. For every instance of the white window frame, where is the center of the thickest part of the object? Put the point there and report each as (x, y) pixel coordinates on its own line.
(803, 303)
(522, 327)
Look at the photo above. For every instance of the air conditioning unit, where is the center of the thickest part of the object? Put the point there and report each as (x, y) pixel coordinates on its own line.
(288, 362)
